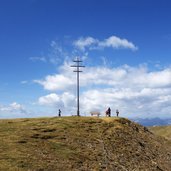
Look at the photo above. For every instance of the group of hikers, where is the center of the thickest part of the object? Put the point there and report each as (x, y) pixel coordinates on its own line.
(108, 112)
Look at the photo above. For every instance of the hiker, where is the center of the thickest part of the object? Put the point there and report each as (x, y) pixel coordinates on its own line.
(59, 113)
(117, 112)
(108, 112)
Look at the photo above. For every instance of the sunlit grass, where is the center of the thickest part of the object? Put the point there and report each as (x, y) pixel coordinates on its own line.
(72, 143)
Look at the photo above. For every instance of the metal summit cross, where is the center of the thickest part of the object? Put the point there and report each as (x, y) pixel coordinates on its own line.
(77, 67)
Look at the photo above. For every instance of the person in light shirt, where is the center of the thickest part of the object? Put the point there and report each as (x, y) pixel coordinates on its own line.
(117, 112)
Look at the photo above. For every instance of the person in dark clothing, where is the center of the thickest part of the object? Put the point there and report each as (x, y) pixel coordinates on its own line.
(108, 112)
(59, 113)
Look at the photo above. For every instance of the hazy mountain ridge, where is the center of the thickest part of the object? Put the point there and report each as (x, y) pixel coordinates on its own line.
(152, 121)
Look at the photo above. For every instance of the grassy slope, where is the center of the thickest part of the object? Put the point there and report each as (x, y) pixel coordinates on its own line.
(164, 131)
(80, 143)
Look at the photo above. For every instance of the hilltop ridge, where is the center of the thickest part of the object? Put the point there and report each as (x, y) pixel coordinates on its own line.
(81, 143)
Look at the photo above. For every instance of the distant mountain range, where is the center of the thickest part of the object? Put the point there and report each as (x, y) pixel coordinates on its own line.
(152, 121)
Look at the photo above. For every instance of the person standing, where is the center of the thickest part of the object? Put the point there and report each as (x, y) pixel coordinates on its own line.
(59, 113)
(109, 111)
(117, 112)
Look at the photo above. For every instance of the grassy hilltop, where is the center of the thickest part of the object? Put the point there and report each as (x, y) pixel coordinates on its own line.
(81, 144)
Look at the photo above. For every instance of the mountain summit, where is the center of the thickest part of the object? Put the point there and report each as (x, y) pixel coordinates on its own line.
(81, 143)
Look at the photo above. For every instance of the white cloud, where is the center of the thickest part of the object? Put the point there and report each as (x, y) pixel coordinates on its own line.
(65, 101)
(116, 43)
(113, 42)
(123, 76)
(68, 99)
(50, 99)
(56, 82)
(16, 106)
(13, 107)
(136, 91)
(82, 43)
(132, 103)
(35, 59)
(12, 110)
(57, 54)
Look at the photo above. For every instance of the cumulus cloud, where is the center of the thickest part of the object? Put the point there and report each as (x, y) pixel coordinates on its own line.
(132, 102)
(113, 42)
(116, 42)
(16, 106)
(123, 76)
(12, 110)
(50, 99)
(13, 107)
(56, 82)
(64, 101)
(134, 90)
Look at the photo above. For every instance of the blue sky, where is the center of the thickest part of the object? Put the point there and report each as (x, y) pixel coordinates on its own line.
(125, 45)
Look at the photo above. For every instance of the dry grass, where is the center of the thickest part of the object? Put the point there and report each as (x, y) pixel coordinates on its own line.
(79, 143)
(164, 131)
